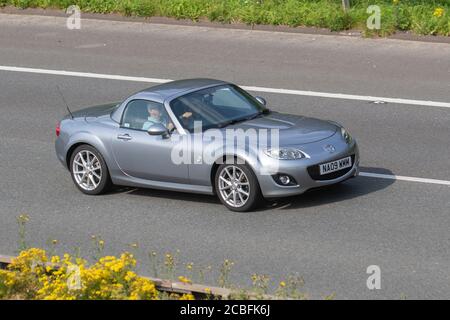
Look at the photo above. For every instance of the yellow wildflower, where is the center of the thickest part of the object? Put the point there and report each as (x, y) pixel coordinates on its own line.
(23, 218)
(55, 259)
(184, 280)
(438, 12)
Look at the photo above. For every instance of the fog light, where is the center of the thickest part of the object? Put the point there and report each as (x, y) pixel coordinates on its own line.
(285, 180)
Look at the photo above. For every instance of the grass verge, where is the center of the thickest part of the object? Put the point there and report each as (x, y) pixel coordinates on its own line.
(423, 17)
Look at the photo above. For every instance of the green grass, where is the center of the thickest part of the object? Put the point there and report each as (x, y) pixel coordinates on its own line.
(413, 15)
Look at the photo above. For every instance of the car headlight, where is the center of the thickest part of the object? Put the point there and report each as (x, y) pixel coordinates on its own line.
(347, 137)
(286, 153)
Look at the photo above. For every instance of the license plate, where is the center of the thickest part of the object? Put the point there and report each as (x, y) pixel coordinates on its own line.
(334, 166)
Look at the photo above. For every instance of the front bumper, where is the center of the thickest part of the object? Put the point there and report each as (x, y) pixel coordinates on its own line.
(298, 169)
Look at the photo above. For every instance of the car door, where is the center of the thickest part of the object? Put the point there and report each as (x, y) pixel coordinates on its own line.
(141, 155)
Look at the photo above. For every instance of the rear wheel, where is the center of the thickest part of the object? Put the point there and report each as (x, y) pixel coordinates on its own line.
(89, 171)
(237, 187)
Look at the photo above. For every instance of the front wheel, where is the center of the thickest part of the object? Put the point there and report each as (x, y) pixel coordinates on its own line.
(237, 187)
(89, 171)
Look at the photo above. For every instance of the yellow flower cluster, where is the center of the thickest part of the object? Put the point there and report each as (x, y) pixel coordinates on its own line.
(187, 296)
(438, 12)
(32, 275)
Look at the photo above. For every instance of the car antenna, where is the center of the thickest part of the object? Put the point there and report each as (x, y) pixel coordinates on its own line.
(62, 96)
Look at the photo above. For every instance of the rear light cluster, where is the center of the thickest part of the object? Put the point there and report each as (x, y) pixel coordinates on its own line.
(58, 129)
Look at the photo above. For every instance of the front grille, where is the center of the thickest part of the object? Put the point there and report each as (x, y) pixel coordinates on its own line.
(314, 171)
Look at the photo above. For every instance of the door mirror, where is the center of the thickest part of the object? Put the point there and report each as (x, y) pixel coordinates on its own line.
(158, 130)
(261, 100)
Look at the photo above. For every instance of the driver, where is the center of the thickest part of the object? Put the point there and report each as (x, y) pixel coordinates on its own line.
(155, 116)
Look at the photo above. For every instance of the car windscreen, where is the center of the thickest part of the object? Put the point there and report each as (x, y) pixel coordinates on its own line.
(215, 107)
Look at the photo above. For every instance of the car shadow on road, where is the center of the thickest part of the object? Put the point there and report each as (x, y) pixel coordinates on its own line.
(347, 190)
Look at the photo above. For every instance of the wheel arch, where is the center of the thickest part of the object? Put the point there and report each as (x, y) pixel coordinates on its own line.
(90, 140)
(72, 149)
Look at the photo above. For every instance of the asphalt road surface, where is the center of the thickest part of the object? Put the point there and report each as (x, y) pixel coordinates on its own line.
(329, 237)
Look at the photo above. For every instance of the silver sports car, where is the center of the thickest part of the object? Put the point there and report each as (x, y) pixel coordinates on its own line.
(203, 136)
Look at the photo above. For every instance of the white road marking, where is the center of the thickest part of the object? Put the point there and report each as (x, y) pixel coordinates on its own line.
(249, 88)
(350, 97)
(91, 46)
(403, 178)
(83, 74)
(259, 89)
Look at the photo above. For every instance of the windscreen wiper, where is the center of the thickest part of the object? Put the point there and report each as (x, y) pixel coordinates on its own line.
(230, 122)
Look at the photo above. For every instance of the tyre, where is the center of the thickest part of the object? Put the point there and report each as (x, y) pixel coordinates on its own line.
(89, 171)
(237, 187)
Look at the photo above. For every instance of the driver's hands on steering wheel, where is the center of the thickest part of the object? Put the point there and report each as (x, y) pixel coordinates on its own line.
(187, 115)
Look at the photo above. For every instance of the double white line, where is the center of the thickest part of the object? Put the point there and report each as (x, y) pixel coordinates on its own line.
(260, 89)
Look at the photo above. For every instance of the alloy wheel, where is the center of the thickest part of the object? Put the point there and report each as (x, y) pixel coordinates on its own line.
(234, 186)
(87, 170)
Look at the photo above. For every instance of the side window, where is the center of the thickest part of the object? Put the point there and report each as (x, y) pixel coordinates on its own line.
(142, 114)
